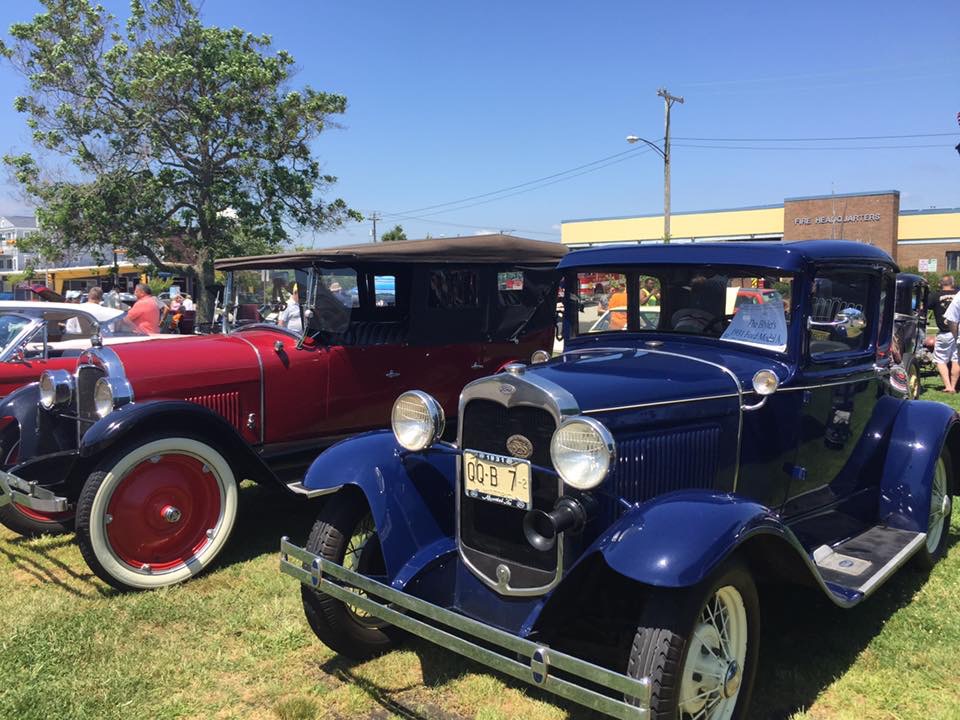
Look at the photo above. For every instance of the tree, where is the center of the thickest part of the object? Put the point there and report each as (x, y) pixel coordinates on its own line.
(186, 140)
(393, 235)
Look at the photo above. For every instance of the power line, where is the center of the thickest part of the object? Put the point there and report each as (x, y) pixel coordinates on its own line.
(631, 151)
(807, 147)
(467, 226)
(820, 139)
(636, 153)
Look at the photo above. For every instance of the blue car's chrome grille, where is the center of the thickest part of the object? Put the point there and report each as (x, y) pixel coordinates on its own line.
(660, 462)
(495, 529)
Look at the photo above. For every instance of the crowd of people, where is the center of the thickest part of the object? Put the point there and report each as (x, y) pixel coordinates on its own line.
(148, 313)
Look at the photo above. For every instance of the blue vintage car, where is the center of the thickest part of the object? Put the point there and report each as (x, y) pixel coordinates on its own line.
(601, 522)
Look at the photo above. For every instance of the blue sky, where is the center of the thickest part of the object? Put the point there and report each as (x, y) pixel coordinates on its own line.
(450, 100)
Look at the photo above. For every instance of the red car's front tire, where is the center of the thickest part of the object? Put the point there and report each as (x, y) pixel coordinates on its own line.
(156, 514)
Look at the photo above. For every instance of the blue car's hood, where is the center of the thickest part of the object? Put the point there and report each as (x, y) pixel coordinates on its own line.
(614, 377)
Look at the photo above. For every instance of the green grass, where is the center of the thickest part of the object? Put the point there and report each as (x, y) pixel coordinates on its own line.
(234, 644)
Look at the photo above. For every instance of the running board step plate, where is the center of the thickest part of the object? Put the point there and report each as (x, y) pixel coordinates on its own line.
(863, 562)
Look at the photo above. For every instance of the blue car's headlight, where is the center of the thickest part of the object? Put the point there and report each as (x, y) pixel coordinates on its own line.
(417, 420)
(582, 451)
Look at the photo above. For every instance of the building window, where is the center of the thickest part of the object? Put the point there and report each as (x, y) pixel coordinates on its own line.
(953, 261)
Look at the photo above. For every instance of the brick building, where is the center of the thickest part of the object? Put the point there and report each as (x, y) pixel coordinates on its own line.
(928, 239)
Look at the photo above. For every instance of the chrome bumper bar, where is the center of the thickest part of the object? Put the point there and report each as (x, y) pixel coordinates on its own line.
(297, 488)
(29, 494)
(523, 659)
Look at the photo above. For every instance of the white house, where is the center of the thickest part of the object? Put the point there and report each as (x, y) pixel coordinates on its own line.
(12, 229)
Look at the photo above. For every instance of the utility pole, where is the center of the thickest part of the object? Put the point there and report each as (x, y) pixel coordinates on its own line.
(668, 101)
(374, 217)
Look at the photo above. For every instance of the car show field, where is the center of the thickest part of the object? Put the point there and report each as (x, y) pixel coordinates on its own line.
(234, 644)
(323, 397)
(234, 641)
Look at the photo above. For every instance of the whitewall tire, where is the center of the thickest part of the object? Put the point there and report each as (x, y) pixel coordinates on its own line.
(157, 514)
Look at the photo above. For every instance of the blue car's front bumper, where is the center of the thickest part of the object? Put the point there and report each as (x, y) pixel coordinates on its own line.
(596, 687)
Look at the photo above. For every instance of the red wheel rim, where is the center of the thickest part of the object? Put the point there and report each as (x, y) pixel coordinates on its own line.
(40, 516)
(160, 512)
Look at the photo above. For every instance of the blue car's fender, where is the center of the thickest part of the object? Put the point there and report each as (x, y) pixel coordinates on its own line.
(677, 539)
(919, 432)
(411, 495)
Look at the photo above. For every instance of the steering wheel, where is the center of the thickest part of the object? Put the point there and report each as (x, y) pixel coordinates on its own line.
(716, 321)
(692, 320)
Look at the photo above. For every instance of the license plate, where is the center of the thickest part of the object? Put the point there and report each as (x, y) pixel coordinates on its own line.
(497, 478)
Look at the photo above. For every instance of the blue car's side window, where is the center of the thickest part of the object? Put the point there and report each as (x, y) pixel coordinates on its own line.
(840, 320)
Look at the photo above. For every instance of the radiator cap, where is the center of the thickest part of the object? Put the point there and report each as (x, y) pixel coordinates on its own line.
(516, 368)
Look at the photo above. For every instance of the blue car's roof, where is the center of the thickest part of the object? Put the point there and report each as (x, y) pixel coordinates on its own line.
(789, 256)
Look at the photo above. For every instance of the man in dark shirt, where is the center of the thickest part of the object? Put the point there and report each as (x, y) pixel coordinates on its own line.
(945, 350)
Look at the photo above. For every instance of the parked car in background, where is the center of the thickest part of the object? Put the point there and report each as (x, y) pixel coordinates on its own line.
(147, 445)
(910, 328)
(738, 297)
(601, 522)
(38, 336)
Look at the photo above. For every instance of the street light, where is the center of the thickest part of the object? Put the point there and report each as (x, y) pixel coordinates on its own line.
(632, 139)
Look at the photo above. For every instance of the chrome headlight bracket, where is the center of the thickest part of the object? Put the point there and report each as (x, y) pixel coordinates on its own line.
(56, 388)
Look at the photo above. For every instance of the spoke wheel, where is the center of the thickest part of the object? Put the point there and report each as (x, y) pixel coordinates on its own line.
(157, 514)
(713, 672)
(941, 509)
(363, 555)
(698, 647)
(346, 533)
(913, 380)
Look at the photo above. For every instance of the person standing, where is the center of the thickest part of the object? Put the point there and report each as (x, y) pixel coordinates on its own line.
(290, 317)
(650, 293)
(946, 314)
(617, 305)
(145, 313)
(94, 297)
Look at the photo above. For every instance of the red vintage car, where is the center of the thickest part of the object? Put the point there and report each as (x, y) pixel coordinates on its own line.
(38, 336)
(145, 444)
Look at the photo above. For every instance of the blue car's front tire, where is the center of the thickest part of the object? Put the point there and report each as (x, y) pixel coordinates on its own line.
(699, 646)
(345, 533)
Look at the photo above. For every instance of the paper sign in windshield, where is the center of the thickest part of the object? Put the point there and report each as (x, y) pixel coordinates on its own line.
(763, 325)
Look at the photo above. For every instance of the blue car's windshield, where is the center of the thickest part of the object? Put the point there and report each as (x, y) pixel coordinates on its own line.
(738, 304)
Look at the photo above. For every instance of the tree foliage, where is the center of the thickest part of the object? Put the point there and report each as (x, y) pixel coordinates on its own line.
(393, 235)
(186, 140)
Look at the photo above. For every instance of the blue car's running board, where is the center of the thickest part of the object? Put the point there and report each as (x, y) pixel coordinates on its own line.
(856, 567)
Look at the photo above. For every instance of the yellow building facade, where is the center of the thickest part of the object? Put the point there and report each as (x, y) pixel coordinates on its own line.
(928, 239)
